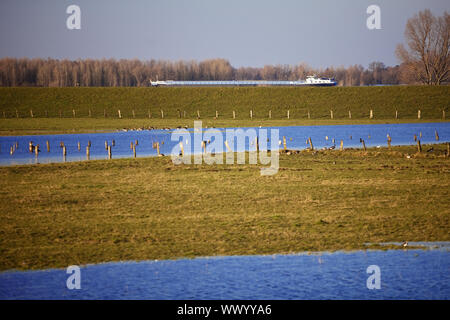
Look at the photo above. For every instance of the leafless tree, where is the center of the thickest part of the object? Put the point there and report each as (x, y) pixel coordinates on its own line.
(427, 56)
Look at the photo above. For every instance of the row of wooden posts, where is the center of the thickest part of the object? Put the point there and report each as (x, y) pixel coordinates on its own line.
(389, 140)
(308, 141)
(288, 114)
(35, 148)
(156, 145)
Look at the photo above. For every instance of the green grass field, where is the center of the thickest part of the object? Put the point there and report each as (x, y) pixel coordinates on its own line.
(48, 104)
(55, 215)
(383, 100)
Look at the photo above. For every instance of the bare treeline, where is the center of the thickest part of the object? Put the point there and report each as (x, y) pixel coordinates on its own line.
(137, 73)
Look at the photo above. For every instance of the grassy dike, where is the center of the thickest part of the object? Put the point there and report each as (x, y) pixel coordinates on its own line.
(53, 108)
(55, 215)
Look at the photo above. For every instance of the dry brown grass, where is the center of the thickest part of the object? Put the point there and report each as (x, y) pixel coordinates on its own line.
(55, 215)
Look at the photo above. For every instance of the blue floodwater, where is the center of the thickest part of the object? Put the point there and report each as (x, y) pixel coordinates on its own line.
(373, 135)
(404, 274)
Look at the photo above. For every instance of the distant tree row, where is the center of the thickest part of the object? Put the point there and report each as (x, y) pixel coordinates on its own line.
(136, 73)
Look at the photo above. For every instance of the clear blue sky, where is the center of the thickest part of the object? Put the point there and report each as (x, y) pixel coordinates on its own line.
(246, 32)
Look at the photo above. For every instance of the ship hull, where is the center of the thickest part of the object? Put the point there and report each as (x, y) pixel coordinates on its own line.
(321, 85)
(241, 84)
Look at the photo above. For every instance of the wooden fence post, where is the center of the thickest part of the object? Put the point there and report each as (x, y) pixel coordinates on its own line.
(349, 114)
(134, 150)
(364, 144)
(109, 152)
(79, 147)
(331, 114)
(133, 113)
(396, 114)
(234, 114)
(204, 147)
(288, 114)
(418, 114)
(371, 114)
(181, 148)
(48, 146)
(389, 141)
(226, 145)
(436, 135)
(270, 114)
(73, 112)
(162, 114)
(310, 144)
(419, 146)
(31, 113)
(120, 114)
(284, 143)
(342, 145)
(251, 114)
(309, 115)
(198, 114)
(88, 152)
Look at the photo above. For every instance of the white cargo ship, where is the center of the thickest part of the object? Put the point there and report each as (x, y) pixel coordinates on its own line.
(310, 81)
